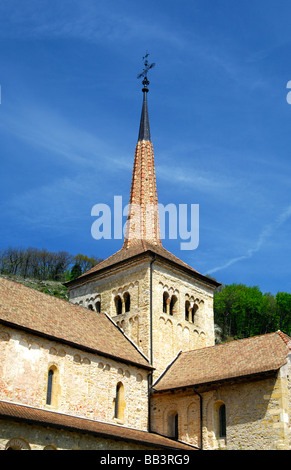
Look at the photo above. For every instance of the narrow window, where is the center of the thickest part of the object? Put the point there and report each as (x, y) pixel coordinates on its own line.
(187, 307)
(49, 387)
(165, 299)
(127, 301)
(119, 405)
(173, 427)
(176, 427)
(98, 307)
(222, 421)
(194, 310)
(173, 305)
(118, 305)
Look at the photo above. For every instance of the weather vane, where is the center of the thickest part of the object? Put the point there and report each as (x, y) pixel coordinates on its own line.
(144, 73)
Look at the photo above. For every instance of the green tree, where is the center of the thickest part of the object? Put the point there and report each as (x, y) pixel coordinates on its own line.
(283, 301)
(86, 262)
(241, 311)
(76, 271)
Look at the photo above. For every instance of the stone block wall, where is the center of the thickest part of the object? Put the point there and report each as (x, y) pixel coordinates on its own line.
(85, 383)
(172, 332)
(257, 414)
(133, 280)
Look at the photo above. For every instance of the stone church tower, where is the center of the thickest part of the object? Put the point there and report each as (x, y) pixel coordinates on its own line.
(161, 304)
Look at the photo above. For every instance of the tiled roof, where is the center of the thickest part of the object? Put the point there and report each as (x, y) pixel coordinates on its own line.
(97, 428)
(138, 250)
(143, 225)
(143, 214)
(63, 321)
(235, 359)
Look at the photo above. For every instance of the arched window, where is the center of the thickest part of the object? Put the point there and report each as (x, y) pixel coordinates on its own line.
(187, 307)
(127, 301)
(222, 421)
(90, 307)
(172, 424)
(118, 305)
(173, 305)
(119, 404)
(17, 443)
(165, 300)
(194, 310)
(98, 306)
(52, 379)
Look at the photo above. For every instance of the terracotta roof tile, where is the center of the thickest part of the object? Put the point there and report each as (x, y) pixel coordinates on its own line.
(64, 321)
(143, 225)
(138, 250)
(235, 359)
(72, 423)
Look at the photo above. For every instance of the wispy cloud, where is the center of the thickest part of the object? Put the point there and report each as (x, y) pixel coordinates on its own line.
(205, 181)
(264, 236)
(46, 129)
(91, 21)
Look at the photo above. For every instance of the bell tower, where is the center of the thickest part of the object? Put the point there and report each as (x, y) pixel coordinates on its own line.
(162, 304)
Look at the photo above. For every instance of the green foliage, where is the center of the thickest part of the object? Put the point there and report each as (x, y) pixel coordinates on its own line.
(242, 311)
(42, 264)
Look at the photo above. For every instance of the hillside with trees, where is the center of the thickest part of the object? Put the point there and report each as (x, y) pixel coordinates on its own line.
(42, 264)
(239, 311)
(44, 270)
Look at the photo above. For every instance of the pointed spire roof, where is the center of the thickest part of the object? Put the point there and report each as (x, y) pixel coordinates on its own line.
(144, 128)
(143, 226)
(143, 216)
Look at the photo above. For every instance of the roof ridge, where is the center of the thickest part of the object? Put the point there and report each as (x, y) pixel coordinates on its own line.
(285, 338)
(127, 337)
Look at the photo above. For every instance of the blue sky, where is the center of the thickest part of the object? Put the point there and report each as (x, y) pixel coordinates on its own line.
(220, 125)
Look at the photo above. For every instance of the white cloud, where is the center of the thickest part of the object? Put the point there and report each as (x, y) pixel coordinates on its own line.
(264, 236)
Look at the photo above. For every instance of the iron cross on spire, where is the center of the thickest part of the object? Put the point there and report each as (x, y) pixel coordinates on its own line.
(144, 73)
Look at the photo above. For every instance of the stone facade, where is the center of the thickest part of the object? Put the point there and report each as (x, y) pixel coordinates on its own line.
(257, 414)
(173, 330)
(85, 384)
(172, 290)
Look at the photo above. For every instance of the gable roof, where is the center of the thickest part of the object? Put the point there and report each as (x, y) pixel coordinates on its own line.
(60, 320)
(139, 250)
(221, 362)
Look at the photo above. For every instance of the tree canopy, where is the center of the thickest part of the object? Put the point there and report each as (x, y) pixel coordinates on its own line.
(241, 311)
(43, 264)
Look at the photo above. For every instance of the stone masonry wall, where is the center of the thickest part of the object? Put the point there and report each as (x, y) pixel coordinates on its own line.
(132, 280)
(171, 331)
(257, 415)
(85, 383)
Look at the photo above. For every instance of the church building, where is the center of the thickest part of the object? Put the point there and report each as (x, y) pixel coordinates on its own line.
(130, 362)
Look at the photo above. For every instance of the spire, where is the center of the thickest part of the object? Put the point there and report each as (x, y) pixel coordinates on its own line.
(143, 217)
(144, 128)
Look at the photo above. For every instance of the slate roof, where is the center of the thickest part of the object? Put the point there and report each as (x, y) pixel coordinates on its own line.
(231, 360)
(71, 423)
(144, 127)
(63, 321)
